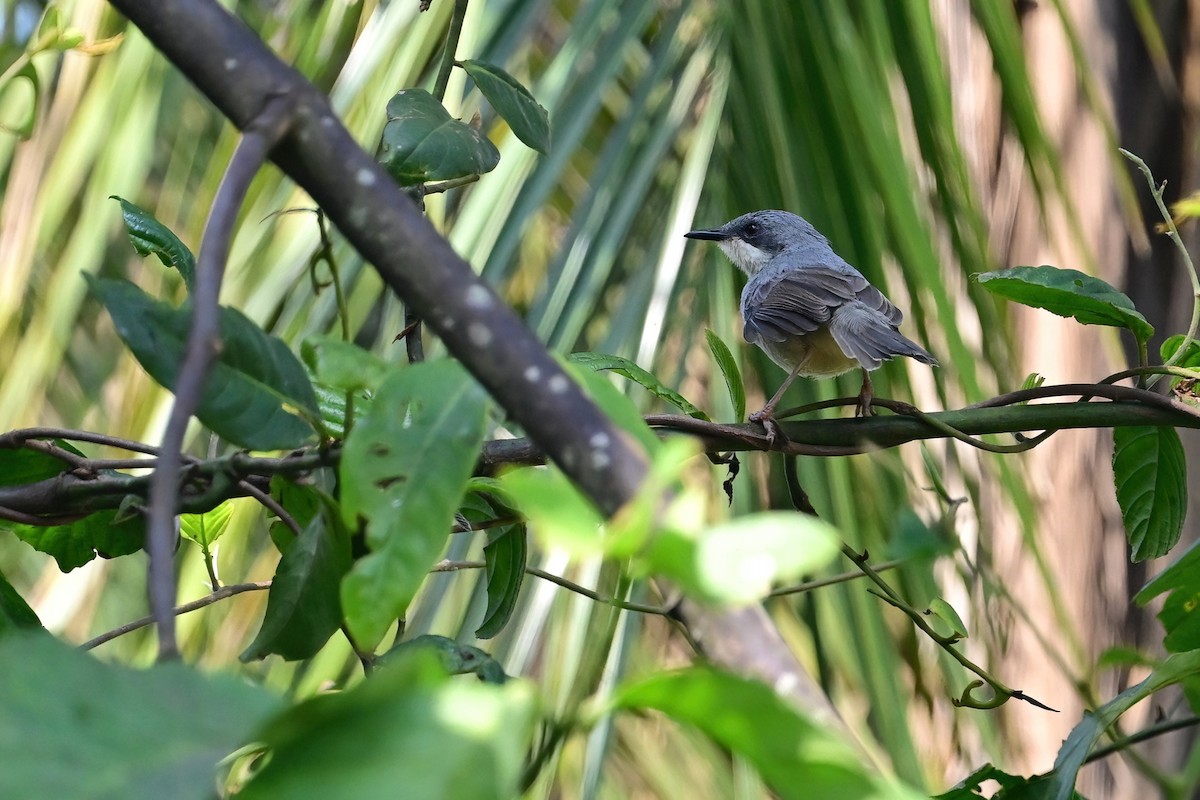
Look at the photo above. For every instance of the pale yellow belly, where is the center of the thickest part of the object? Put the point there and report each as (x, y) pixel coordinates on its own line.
(816, 353)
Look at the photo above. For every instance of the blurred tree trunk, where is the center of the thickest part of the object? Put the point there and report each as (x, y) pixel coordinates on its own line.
(1080, 535)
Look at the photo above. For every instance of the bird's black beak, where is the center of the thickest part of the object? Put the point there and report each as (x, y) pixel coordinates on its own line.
(708, 235)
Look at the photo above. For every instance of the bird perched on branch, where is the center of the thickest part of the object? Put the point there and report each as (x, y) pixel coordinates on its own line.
(810, 311)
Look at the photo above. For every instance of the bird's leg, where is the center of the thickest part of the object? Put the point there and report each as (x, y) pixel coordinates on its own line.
(865, 396)
(766, 417)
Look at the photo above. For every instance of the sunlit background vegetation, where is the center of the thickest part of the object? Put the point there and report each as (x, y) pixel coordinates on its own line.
(929, 139)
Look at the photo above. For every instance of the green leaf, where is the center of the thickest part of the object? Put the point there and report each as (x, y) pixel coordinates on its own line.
(77, 543)
(24, 466)
(512, 101)
(343, 365)
(455, 658)
(1189, 360)
(404, 468)
(257, 394)
(331, 405)
(126, 733)
(302, 501)
(1012, 787)
(429, 738)
(1068, 293)
(151, 237)
(15, 613)
(304, 605)
(738, 562)
(1083, 738)
(206, 528)
(945, 612)
(616, 405)
(627, 369)
(1151, 478)
(504, 554)
(796, 757)
(731, 373)
(1180, 614)
(422, 142)
(558, 513)
(24, 128)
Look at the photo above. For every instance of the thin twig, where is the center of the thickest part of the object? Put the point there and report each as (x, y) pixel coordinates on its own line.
(203, 344)
(1000, 692)
(1157, 191)
(1141, 736)
(414, 342)
(445, 186)
(832, 580)
(12, 515)
(207, 600)
(17, 439)
(272, 505)
(452, 36)
(454, 566)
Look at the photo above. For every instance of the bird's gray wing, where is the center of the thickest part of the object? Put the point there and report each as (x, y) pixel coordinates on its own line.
(793, 300)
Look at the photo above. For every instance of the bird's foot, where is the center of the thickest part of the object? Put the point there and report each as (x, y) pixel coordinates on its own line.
(866, 395)
(766, 418)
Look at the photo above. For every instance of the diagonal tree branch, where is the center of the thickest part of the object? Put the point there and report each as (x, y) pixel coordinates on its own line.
(239, 74)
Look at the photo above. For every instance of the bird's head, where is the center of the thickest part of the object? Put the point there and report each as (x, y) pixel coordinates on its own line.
(753, 239)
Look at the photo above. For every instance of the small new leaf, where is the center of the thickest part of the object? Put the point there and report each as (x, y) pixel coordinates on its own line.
(627, 369)
(206, 528)
(731, 373)
(945, 612)
(504, 555)
(512, 101)
(151, 237)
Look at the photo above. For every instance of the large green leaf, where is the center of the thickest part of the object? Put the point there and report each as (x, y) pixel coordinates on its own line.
(795, 756)
(403, 470)
(304, 605)
(1012, 787)
(151, 237)
(512, 101)
(1068, 293)
(23, 466)
(739, 561)
(422, 142)
(409, 732)
(257, 394)
(15, 613)
(1180, 614)
(76, 543)
(559, 514)
(1084, 736)
(1151, 477)
(125, 733)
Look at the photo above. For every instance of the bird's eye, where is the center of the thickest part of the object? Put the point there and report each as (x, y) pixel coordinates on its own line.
(753, 228)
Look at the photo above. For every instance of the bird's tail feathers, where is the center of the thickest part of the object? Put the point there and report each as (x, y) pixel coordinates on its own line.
(871, 340)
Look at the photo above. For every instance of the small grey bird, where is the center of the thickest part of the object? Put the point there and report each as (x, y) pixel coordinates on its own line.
(810, 311)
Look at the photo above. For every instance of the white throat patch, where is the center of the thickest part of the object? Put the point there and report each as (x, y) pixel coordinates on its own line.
(746, 257)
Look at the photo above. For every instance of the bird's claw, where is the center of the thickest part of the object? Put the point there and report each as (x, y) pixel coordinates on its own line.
(766, 418)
